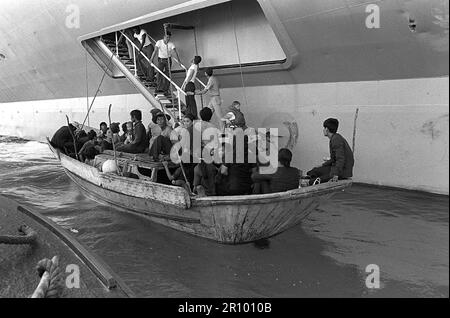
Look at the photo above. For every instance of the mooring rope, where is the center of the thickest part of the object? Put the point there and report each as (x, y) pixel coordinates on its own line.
(51, 283)
(28, 237)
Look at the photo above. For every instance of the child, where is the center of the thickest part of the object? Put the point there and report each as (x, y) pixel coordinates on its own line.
(129, 134)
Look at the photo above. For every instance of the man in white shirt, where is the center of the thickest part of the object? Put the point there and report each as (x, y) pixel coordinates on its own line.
(146, 47)
(213, 90)
(164, 49)
(191, 74)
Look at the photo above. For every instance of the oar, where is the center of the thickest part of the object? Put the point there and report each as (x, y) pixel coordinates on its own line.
(112, 140)
(73, 137)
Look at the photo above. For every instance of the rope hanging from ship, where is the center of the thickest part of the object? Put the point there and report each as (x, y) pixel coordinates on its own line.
(99, 85)
(238, 56)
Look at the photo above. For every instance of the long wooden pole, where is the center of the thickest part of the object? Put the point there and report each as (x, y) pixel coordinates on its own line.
(354, 130)
(73, 137)
(112, 140)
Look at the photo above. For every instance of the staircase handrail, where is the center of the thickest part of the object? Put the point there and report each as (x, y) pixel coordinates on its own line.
(176, 60)
(154, 66)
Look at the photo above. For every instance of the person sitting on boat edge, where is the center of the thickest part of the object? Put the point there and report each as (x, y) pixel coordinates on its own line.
(341, 162)
(284, 179)
(140, 140)
(177, 178)
(160, 144)
(63, 139)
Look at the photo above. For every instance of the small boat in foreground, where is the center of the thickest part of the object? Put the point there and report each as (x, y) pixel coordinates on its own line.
(225, 219)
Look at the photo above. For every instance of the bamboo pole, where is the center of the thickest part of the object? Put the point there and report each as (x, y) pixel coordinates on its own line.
(112, 140)
(73, 137)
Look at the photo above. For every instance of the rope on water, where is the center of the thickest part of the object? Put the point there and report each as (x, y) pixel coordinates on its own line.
(28, 236)
(51, 283)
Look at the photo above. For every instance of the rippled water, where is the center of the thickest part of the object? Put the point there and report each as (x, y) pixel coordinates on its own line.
(405, 233)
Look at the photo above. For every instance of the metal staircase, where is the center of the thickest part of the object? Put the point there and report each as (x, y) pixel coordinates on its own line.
(171, 105)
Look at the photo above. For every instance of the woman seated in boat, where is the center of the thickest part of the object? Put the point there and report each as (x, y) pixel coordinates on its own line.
(112, 136)
(160, 143)
(186, 123)
(140, 140)
(284, 179)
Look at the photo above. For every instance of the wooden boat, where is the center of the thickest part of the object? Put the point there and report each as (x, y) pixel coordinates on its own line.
(230, 220)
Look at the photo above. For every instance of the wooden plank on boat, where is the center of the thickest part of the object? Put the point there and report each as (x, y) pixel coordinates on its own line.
(318, 190)
(176, 196)
(147, 190)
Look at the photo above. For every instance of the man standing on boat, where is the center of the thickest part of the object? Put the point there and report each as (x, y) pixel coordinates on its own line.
(164, 49)
(140, 140)
(340, 165)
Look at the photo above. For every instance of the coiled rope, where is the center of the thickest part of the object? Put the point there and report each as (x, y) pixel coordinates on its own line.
(51, 283)
(28, 237)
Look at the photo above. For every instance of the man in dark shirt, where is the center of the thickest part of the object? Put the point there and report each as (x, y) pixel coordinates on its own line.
(236, 178)
(140, 140)
(340, 164)
(286, 178)
(63, 139)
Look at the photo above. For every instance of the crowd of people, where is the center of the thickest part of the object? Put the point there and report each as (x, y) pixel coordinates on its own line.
(216, 178)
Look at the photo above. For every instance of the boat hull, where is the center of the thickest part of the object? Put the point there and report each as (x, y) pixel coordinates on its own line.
(228, 220)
